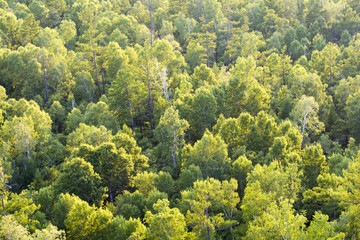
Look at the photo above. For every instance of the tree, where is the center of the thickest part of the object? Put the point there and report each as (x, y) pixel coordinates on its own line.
(314, 164)
(278, 221)
(67, 31)
(91, 37)
(166, 223)
(235, 132)
(203, 112)
(305, 114)
(170, 133)
(120, 228)
(327, 63)
(78, 177)
(144, 182)
(8, 25)
(195, 55)
(87, 222)
(206, 197)
(203, 76)
(268, 184)
(49, 58)
(11, 229)
(29, 29)
(321, 228)
(240, 170)
(25, 133)
(188, 176)
(323, 197)
(85, 134)
(99, 115)
(125, 97)
(211, 155)
(113, 165)
(353, 110)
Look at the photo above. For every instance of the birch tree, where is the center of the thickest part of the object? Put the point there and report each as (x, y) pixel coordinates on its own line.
(305, 114)
(170, 133)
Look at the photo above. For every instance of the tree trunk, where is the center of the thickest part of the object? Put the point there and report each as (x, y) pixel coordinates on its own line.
(303, 129)
(95, 68)
(150, 98)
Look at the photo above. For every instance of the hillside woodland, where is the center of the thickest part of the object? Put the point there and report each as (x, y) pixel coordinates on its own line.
(179, 119)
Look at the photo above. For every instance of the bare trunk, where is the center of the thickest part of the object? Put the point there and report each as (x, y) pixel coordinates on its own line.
(45, 79)
(303, 129)
(150, 98)
(95, 68)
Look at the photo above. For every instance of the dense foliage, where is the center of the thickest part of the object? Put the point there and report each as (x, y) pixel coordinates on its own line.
(179, 119)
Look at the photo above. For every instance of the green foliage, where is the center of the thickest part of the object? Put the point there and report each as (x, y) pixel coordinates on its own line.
(78, 177)
(314, 164)
(167, 223)
(210, 154)
(203, 112)
(120, 228)
(352, 110)
(129, 105)
(188, 176)
(267, 184)
(212, 205)
(277, 222)
(86, 222)
(90, 135)
(11, 229)
(305, 115)
(170, 134)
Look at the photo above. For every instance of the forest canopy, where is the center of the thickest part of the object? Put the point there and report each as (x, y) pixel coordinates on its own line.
(179, 119)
